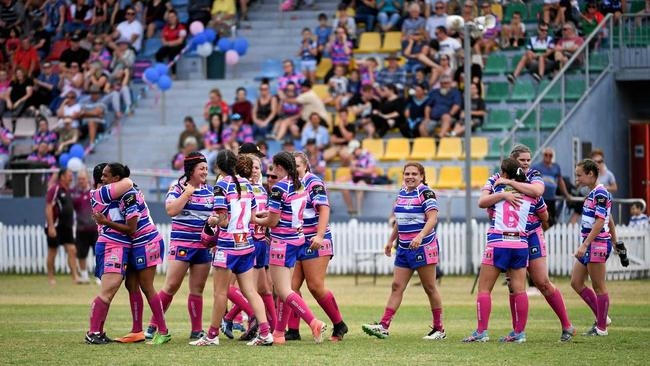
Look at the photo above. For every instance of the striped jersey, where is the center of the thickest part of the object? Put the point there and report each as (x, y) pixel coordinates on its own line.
(259, 232)
(508, 224)
(410, 213)
(290, 202)
(240, 208)
(188, 224)
(103, 200)
(317, 197)
(598, 204)
(132, 204)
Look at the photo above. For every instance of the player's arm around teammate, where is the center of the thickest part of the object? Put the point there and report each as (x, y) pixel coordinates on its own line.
(416, 213)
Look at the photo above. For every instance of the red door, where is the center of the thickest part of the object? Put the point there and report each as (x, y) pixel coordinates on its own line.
(640, 160)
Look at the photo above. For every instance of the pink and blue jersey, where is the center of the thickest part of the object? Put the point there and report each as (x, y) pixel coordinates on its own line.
(410, 213)
(104, 200)
(290, 202)
(598, 204)
(188, 224)
(317, 197)
(261, 197)
(240, 208)
(508, 224)
(132, 204)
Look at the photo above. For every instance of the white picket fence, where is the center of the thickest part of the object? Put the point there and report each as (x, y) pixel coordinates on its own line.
(23, 249)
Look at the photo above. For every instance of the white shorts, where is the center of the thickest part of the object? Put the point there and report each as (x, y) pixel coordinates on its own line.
(308, 65)
(551, 2)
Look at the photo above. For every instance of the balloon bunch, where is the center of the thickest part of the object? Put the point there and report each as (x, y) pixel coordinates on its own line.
(233, 49)
(202, 38)
(73, 159)
(158, 74)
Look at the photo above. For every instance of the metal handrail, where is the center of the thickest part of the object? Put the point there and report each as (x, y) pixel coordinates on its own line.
(559, 77)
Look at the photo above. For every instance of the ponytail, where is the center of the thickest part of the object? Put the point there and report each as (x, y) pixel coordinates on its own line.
(511, 168)
(226, 162)
(288, 162)
(119, 170)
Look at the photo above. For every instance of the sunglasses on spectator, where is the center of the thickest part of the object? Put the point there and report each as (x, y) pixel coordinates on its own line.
(130, 13)
(598, 161)
(543, 29)
(272, 176)
(567, 28)
(439, 7)
(548, 154)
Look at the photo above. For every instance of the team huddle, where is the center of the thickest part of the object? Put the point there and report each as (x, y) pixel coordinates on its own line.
(263, 241)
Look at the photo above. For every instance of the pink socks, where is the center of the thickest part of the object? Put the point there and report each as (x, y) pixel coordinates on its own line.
(387, 318)
(98, 313)
(298, 305)
(195, 308)
(328, 303)
(237, 298)
(158, 314)
(603, 308)
(283, 317)
(589, 296)
(437, 319)
(264, 329)
(521, 312)
(269, 305)
(511, 297)
(213, 332)
(135, 298)
(232, 313)
(557, 304)
(483, 309)
(294, 320)
(165, 301)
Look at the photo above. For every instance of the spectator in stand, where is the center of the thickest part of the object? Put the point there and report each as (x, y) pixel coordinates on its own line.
(365, 104)
(363, 172)
(308, 52)
(215, 104)
(552, 176)
(11, 14)
(415, 111)
(414, 22)
(190, 131)
(310, 103)
(86, 228)
(41, 39)
(26, 57)
(389, 13)
(289, 113)
(236, 133)
(317, 164)
(444, 105)
(242, 106)
(18, 96)
(340, 50)
(342, 133)
(54, 17)
(314, 130)
(99, 53)
(74, 54)
(322, 32)
(130, 30)
(80, 16)
(43, 156)
(100, 22)
(354, 82)
(414, 49)
(120, 77)
(69, 109)
(71, 82)
(513, 34)
(173, 39)
(448, 45)
(443, 70)
(477, 116)
(590, 20)
(393, 73)
(155, 12)
(265, 112)
(615, 7)
(212, 139)
(605, 176)
(638, 219)
(290, 76)
(199, 10)
(553, 13)
(95, 79)
(488, 42)
(343, 20)
(338, 88)
(367, 70)
(223, 16)
(68, 136)
(389, 115)
(538, 56)
(93, 117)
(6, 138)
(44, 135)
(190, 145)
(568, 44)
(641, 14)
(366, 13)
(437, 19)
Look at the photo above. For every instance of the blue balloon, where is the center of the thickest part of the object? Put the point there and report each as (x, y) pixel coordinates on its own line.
(241, 46)
(63, 160)
(151, 74)
(210, 34)
(164, 83)
(224, 44)
(77, 151)
(161, 68)
(199, 39)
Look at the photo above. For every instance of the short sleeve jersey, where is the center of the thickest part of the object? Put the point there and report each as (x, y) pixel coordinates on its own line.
(317, 197)
(290, 202)
(410, 211)
(597, 205)
(188, 224)
(63, 207)
(240, 207)
(132, 204)
(540, 45)
(261, 197)
(105, 201)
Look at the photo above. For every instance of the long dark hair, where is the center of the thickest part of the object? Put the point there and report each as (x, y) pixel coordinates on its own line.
(288, 162)
(511, 167)
(226, 162)
(118, 170)
(189, 163)
(244, 166)
(98, 170)
(588, 166)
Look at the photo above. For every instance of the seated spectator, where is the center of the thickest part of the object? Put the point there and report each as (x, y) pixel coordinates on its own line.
(568, 44)
(420, 77)
(236, 133)
(447, 45)
(342, 133)
(513, 34)
(354, 83)
(120, 77)
(488, 41)
(393, 73)
(190, 145)
(363, 172)
(553, 13)
(74, 54)
(199, 10)
(363, 106)
(68, 136)
(615, 7)
(72, 80)
(366, 13)
(93, 117)
(590, 19)
(367, 70)
(389, 115)
(444, 105)
(46, 88)
(343, 20)
(338, 88)
(80, 16)
(437, 19)
(314, 130)
(310, 103)
(173, 39)
(317, 164)
(18, 97)
(215, 105)
(155, 12)
(638, 219)
(190, 130)
(414, 22)
(212, 139)
(459, 75)
(290, 76)
(96, 79)
(340, 50)
(26, 57)
(468, 13)
(44, 135)
(415, 111)
(6, 137)
(242, 106)
(70, 109)
(477, 115)
(444, 70)
(641, 14)
(223, 14)
(4, 84)
(414, 49)
(265, 112)
(43, 156)
(308, 52)
(322, 33)
(289, 113)
(130, 30)
(101, 21)
(54, 17)
(389, 13)
(537, 58)
(12, 12)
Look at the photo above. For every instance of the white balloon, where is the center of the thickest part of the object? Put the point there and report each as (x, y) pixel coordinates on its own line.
(204, 49)
(75, 164)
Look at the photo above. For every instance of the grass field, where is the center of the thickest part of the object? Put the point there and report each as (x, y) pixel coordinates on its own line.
(41, 324)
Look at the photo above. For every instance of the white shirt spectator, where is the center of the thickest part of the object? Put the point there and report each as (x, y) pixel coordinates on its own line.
(640, 220)
(127, 30)
(450, 46)
(433, 22)
(68, 112)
